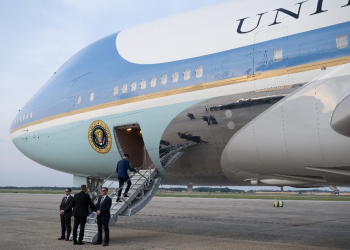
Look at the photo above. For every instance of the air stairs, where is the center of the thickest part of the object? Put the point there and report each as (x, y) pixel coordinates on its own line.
(143, 188)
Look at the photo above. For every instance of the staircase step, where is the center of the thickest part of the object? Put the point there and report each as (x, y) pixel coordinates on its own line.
(89, 233)
(89, 226)
(87, 239)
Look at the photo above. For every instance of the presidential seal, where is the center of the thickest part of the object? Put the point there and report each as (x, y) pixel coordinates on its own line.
(100, 137)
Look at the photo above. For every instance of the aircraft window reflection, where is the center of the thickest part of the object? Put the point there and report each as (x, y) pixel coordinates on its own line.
(124, 88)
(31, 114)
(342, 41)
(187, 74)
(175, 77)
(277, 55)
(163, 79)
(92, 96)
(143, 84)
(133, 86)
(79, 99)
(199, 71)
(153, 81)
(115, 90)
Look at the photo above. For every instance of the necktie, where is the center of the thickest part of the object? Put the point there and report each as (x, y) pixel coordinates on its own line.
(66, 200)
(103, 198)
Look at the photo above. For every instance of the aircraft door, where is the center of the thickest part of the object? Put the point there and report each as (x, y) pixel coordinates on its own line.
(270, 54)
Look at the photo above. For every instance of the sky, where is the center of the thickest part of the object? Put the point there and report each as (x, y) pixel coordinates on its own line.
(38, 36)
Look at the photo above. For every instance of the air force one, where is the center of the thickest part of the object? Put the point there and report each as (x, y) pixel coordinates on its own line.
(238, 93)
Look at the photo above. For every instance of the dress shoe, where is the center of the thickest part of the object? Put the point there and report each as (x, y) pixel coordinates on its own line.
(75, 243)
(67, 239)
(125, 195)
(61, 238)
(105, 244)
(97, 243)
(81, 243)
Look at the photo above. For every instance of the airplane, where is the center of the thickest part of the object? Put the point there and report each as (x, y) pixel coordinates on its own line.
(240, 93)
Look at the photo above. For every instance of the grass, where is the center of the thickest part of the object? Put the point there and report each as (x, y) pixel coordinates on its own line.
(36, 191)
(282, 196)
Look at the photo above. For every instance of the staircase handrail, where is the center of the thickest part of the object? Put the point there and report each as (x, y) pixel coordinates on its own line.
(102, 183)
(142, 176)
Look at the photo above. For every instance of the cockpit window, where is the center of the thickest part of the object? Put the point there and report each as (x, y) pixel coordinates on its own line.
(342, 41)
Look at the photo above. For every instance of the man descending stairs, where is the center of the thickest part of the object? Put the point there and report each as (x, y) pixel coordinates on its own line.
(143, 188)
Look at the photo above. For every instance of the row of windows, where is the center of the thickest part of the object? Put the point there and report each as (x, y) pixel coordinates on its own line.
(341, 42)
(153, 82)
(23, 117)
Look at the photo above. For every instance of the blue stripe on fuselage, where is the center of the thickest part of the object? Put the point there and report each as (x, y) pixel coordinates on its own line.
(99, 67)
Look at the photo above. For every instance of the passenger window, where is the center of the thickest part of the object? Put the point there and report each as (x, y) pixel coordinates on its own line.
(24, 117)
(27, 116)
(17, 119)
(91, 97)
(133, 86)
(143, 84)
(342, 41)
(31, 114)
(175, 77)
(79, 99)
(20, 118)
(187, 74)
(199, 71)
(277, 55)
(115, 90)
(164, 79)
(153, 81)
(124, 88)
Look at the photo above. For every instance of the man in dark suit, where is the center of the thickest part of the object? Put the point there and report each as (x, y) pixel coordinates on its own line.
(66, 217)
(122, 171)
(103, 205)
(81, 203)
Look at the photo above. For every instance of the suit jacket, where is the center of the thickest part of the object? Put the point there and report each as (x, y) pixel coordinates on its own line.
(65, 204)
(122, 169)
(104, 207)
(81, 203)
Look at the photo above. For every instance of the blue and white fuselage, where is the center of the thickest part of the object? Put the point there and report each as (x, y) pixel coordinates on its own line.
(232, 94)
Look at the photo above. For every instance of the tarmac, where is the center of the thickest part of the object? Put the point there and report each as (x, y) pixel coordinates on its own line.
(31, 221)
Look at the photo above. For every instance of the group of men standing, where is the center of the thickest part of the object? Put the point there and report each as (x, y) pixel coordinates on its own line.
(81, 203)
